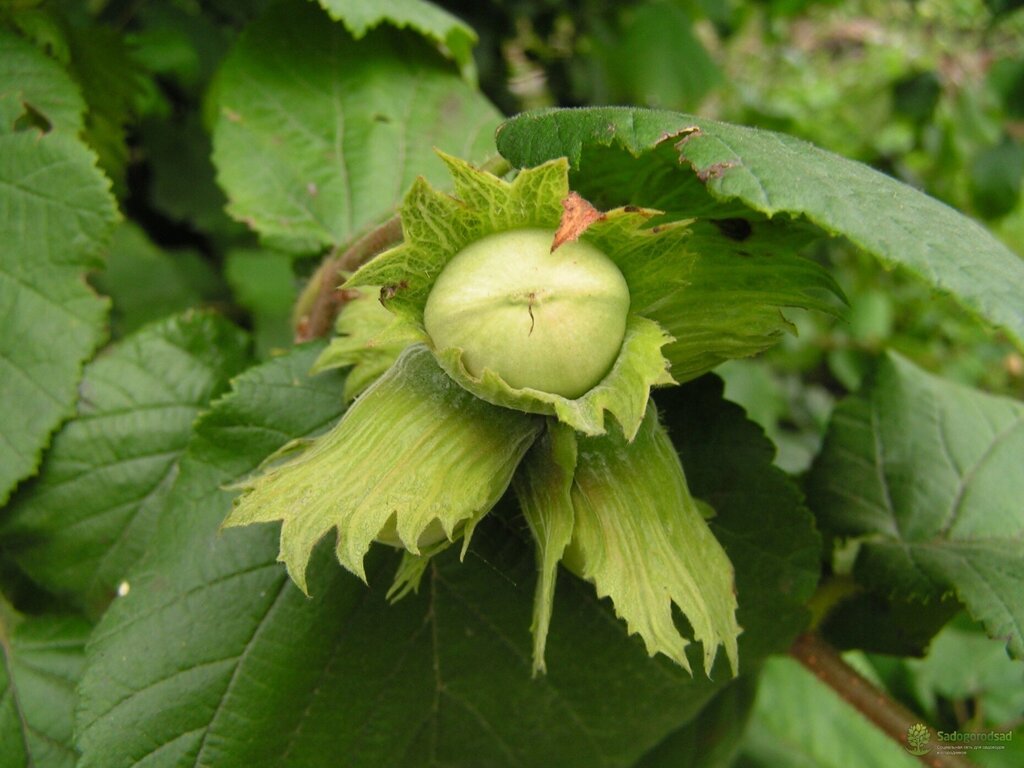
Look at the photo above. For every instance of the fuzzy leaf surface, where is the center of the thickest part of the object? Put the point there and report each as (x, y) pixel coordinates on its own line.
(319, 135)
(78, 528)
(926, 473)
(454, 36)
(775, 174)
(543, 487)
(640, 538)
(415, 449)
(369, 339)
(55, 215)
(43, 657)
(262, 676)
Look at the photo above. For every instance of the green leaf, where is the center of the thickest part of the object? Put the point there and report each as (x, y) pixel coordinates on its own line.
(713, 738)
(261, 675)
(29, 80)
(319, 135)
(775, 174)
(641, 539)
(543, 486)
(264, 283)
(112, 82)
(925, 474)
(656, 60)
(145, 283)
(455, 38)
(799, 722)
(43, 658)
(416, 451)
(963, 664)
(79, 527)
(55, 215)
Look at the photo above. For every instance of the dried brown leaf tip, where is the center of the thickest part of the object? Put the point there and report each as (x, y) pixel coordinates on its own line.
(577, 215)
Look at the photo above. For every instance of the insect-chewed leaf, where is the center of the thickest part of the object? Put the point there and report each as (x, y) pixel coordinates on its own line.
(416, 450)
(543, 486)
(640, 538)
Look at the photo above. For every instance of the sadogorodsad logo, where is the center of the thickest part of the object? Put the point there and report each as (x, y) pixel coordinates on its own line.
(919, 740)
(918, 737)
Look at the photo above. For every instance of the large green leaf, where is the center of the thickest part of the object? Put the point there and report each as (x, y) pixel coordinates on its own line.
(319, 135)
(713, 738)
(78, 528)
(454, 36)
(926, 474)
(42, 659)
(775, 174)
(55, 215)
(799, 722)
(255, 674)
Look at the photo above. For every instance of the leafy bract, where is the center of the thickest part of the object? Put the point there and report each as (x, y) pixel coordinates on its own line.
(42, 659)
(266, 676)
(640, 537)
(78, 528)
(454, 36)
(775, 174)
(437, 227)
(319, 135)
(543, 486)
(416, 449)
(623, 392)
(55, 215)
(369, 339)
(925, 474)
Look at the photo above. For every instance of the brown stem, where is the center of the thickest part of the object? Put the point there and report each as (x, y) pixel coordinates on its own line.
(885, 712)
(327, 300)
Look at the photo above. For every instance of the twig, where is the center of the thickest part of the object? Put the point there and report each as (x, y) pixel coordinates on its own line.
(877, 706)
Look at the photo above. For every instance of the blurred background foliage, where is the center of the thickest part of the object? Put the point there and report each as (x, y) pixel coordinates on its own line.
(931, 92)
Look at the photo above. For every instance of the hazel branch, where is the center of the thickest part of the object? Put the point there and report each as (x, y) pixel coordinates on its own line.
(877, 706)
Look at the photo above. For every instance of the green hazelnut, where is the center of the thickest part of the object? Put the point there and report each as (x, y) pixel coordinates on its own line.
(542, 320)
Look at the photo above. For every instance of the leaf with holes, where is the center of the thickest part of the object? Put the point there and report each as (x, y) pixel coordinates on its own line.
(56, 213)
